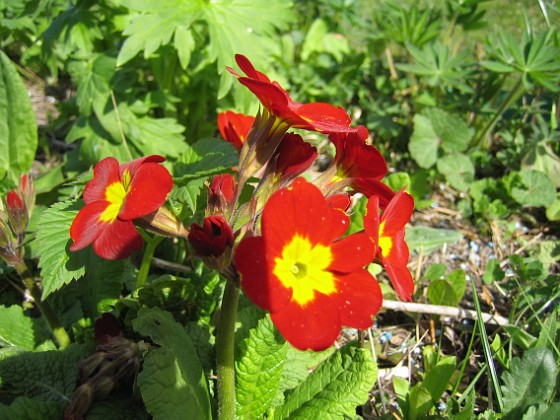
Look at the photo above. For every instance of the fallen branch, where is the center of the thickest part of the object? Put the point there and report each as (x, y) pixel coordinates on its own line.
(460, 313)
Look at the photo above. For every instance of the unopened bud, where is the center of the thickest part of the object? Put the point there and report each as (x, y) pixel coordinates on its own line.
(163, 222)
(220, 194)
(213, 241)
(17, 212)
(103, 387)
(81, 400)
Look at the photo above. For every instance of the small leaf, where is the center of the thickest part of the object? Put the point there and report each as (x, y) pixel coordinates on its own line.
(333, 390)
(259, 369)
(430, 238)
(172, 382)
(530, 380)
(58, 265)
(448, 291)
(539, 189)
(543, 411)
(18, 127)
(204, 158)
(493, 272)
(458, 170)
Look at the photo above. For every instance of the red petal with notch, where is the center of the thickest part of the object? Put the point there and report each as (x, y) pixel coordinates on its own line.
(133, 165)
(398, 213)
(149, 187)
(325, 118)
(118, 240)
(315, 326)
(86, 226)
(351, 253)
(257, 280)
(105, 173)
(359, 298)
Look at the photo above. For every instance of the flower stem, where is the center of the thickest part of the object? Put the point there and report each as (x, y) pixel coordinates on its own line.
(225, 353)
(151, 244)
(58, 331)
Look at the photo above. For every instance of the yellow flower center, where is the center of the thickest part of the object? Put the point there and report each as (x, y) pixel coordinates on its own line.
(115, 195)
(385, 242)
(302, 267)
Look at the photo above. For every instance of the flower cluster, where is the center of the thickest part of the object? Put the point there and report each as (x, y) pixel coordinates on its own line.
(287, 246)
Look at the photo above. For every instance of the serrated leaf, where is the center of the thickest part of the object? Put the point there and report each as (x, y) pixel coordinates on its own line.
(19, 330)
(430, 238)
(259, 369)
(543, 411)
(539, 189)
(189, 193)
(204, 158)
(48, 375)
(333, 390)
(172, 382)
(29, 409)
(530, 380)
(18, 126)
(434, 129)
(58, 265)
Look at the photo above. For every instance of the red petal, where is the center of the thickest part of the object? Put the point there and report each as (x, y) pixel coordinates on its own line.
(87, 227)
(324, 118)
(247, 67)
(272, 97)
(372, 219)
(149, 187)
(351, 253)
(118, 240)
(398, 213)
(133, 165)
(340, 201)
(373, 187)
(105, 173)
(359, 298)
(314, 326)
(401, 279)
(257, 280)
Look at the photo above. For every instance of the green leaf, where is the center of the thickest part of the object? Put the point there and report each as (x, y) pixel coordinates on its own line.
(29, 409)
(448, 291)
(48, 375)
(118, 407)
(539, 189)
(58, 265)
(320, 40)
(457, 169)
(19, 330)
(530, 380)
(543, 411)
(426, 394)
(259, 369)
(435, 129)
(172, 382)
(189, 193)
(18, 126)
(547, 335)
(430, 238)
(204, 158)
(155, 25)
(520, 337)
(553, 211)
(493, 272)
(333, 390)
(497, 67)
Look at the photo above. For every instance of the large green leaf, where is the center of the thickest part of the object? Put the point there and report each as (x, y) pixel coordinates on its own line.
(538, 189)
(458, 170)
(172, 382)
(204, 158)
(19, 330)
(48, 375)
(58, 265)
(334, 390)
(18, 126)
(435, 128)
(530, 380)
(259, 369)
(29, 409)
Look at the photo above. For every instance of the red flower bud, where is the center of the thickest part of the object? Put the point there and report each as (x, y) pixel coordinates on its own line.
(213, 238)
(220, 194)
(17, 212)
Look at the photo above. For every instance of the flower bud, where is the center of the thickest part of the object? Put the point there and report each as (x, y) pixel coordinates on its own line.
(220, 194)
(17, 212)
(213, 241)
(82, 398)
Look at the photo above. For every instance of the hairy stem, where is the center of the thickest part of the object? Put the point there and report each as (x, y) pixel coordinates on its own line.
(60, 335)
(225, 353)
(151, 245)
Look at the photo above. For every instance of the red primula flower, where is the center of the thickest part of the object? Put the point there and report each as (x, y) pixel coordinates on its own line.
(387, 231)
(312, 282)
(234, 127)
(114, 198)
(292, 157)
(316, 116)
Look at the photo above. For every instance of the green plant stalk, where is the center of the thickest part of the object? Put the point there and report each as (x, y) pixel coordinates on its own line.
(488, 352)
(151, 244)
(58, 331)
(465, 360)
(225, 353)
(512, 97)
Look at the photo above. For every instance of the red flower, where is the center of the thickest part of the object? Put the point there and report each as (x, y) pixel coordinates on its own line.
(234, 127)
(213, 238)
(114, 198)
(292, 157)
(387, 231)
(316, 116)
(311, 281)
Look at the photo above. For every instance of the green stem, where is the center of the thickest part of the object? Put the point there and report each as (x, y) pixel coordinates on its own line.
(151, 245)
(513, 96)
(58, 331)
(225, 353)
